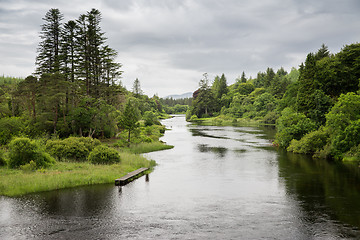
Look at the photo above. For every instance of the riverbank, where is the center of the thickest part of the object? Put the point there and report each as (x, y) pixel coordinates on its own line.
(16, 182)
(222, 120)
(69, 171)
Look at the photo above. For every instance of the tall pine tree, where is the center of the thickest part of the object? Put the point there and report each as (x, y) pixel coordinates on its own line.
(48, 59)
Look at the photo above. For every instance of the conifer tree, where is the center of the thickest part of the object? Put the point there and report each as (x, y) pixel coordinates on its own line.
(48, 59)
(243, 78)
(128, 120)
(136, 88)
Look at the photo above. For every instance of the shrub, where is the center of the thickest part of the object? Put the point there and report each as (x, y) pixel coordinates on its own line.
(23, 151)
(9, 128)
(292, 125)
(29, 167)
(346, 139)
(146, 139)
(353, 154)
(310, 143)
(271, 117)
(104, 155)
(150, 118)
(90, 143)
(121, 143)
(72, 149)
(194, 118)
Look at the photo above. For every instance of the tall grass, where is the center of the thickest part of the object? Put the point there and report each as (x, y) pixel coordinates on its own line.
(66, 175)
(148, 147)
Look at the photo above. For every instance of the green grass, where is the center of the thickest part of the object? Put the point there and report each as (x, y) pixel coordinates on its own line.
(148, 147)
(228, 121)
(15, 182)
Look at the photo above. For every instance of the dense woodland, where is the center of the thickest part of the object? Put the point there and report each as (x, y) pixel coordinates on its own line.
(75, 91)
(316, 108)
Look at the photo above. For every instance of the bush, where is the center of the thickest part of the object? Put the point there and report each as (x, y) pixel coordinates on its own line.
(9, 128)
(150, 118)
(104, 155)
(346, 139)
(193, 118)
(90, 143)
(71, 148)
(23, 151)
(292, 125)
(353, 154)
(310, 143)
(271, 117)
(29, 167)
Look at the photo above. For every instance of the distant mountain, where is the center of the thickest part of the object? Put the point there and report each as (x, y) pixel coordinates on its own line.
(185, 95)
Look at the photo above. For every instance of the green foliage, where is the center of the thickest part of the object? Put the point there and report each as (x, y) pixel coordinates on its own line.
(292, 125)
(24, 150)
(346, 140)
(72, 148)
(193, 118)
(102, 154)
(353, 154)
(149, 147)
(177, 109)
(9, 128)
(219, 86)
(204, 102)
(129, 119)
(29, 167)
(150, 118)
(245, 88)
(312, 142)
(90, 143)
(345, 110)
(270, 117)
(61, 175)
(264, 103)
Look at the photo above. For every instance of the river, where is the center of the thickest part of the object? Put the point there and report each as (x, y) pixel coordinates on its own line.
(216, 183)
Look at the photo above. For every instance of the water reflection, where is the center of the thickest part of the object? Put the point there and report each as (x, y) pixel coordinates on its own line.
(325, 189)
(220, 151)
(217, 183)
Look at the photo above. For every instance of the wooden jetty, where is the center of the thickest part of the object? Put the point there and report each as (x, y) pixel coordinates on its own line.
(129, 177)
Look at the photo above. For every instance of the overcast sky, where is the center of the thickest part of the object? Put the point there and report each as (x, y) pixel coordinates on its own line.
(169, 44)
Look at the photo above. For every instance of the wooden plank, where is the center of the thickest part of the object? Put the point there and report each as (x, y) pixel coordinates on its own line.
(128, 177)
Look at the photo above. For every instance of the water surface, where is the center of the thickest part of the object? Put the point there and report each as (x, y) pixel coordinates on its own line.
(216, 183)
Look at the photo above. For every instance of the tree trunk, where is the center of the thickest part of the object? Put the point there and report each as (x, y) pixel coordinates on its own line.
(33, 101)
(129, 136)
(56, 118)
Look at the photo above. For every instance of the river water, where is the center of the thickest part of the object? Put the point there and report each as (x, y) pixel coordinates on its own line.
(216, 183)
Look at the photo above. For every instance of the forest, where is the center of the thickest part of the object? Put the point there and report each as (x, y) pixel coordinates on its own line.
(74, 98)
(315, 108)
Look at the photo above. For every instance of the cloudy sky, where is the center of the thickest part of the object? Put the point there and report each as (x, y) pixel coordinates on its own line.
(169, 44)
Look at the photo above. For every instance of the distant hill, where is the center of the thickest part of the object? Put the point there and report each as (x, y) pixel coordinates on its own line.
(185, 95)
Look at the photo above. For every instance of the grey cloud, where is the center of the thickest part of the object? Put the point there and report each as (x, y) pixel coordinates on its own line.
(169, 43)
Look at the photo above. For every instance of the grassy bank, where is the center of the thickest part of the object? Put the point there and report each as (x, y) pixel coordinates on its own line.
(147, 147)
(230, 121)
(15, 182)
(72, 167)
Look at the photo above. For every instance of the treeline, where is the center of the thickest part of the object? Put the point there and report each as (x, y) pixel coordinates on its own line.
(248, 98)
(76, 90)
(315, 108)
(176, 106)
